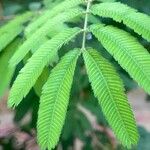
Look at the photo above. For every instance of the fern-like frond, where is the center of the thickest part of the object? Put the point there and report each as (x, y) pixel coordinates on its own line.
(139, 22)
(115, 10)
(32, 70)
(57, 29)
(39, 36)
(8, 36)
(104, 1)
(6, 72)
(9, 31)
(54, 101)
(130, 54)
(42, 78)
(18, 20)
(108, 88)
(49, 14)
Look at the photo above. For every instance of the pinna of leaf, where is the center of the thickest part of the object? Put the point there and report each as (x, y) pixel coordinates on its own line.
(105, 81)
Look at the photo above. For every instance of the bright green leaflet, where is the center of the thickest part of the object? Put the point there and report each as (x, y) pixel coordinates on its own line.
(108, 88)
(55, 99)
(49, 14)
(13, 28)
(32, 70)
(6, 73)
(33, 41)
(139, 22)
(130, 54)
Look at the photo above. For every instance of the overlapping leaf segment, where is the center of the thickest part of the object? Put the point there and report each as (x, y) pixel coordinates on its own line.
(106, 83)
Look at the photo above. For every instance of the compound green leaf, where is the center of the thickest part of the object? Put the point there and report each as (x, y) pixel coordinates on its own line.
(54, 101)
(13, 28)
(38, 38)
(33, 69)
(130, 54)
(6, 73)
(139, 22)
(109, 90)
(49, 14)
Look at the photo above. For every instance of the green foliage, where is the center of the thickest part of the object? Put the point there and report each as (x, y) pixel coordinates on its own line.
(107, 0)
(6, 73)
(25, 106)
(32, 42)
(13, 28)
(17, 21)
(139, 22)
(43, 45)
(130, 54)
(47, 15)
(108, 88)
(54, 101)
(50, 3)
(41, 81)
(117, 10)
(32, 70)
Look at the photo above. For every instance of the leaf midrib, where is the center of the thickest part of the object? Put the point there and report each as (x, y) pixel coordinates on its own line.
(117, 108)
(56, 101)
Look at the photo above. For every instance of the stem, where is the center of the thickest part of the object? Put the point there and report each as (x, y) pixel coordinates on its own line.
(86, 23)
